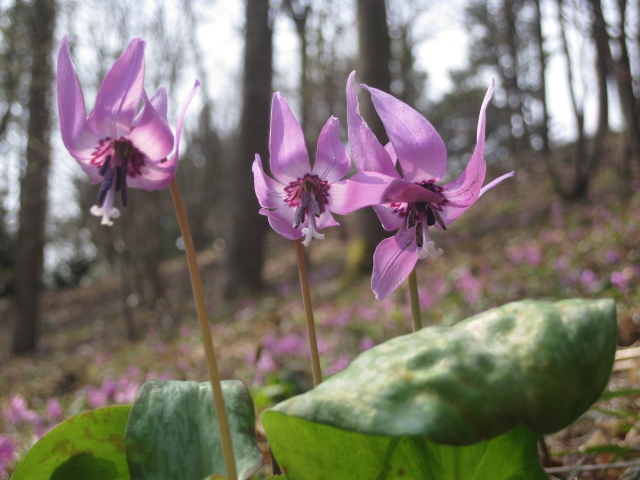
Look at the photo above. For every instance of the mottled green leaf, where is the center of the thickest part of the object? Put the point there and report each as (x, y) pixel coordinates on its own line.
(173, 431)
(530, 362)
(312, 451)
(87, 446)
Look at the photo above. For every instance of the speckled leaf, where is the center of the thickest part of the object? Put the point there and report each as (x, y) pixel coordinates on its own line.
(89, 445)
(312, 451)
(173, 431)
(530, 362)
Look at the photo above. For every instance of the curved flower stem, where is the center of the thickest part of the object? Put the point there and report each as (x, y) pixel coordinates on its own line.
(415, 301)
(212, 367)
(308, 311)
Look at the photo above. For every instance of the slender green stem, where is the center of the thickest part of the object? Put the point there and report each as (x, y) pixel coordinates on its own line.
(308, 311)
(415, 301)
(212, 366)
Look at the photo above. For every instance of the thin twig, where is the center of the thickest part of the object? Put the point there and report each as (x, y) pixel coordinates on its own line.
(308, 311)
(415, 301)
(212, 366)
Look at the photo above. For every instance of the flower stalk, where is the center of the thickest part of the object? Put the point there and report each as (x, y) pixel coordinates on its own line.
(212, 367)
(308, 311)
(415, 301)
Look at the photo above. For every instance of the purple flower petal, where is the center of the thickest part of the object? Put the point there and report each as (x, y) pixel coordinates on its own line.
(281, 220)
(183, 111)
(159, 102)
(495, 182)
(79, 139)
(401, 191)
(152, 136)
(326, 220)
(368, 153)
(465, 190)
(332, 159)
(119, 95)
(289, 158)
(270, 193)
(389, 216)
(421, 152)
(364, 189)
(393, 261)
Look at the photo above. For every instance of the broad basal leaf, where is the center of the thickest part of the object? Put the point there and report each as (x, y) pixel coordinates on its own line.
(173, 431)
(312, 451)
(87, 446)
(530, 362)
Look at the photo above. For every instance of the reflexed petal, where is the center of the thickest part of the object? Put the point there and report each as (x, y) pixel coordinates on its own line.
(281, 220)
(289, 158)
(421, 152)
(159, 102)
(465, 190)
(76, 134)
(393, 261)
(270, 193)
(152, 136)
(368, 153)
(158, 175)
(332, 159)
(401, 191)
(364, 189)
(119, 95)
(183, 111)
(498, 180)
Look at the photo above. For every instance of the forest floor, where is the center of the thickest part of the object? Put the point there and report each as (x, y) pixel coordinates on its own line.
(519, 241)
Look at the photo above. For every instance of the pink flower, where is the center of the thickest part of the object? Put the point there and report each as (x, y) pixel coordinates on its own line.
(7, 451)
(17, 412)
(416, 202)
(117, 144)
(300, 200)
(54, 410)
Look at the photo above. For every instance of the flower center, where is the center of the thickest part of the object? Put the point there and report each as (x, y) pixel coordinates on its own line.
(421, 216)
(117, 160)
(308, 196)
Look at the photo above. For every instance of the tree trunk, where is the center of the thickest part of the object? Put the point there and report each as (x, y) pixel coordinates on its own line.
(622, 66)
(373, 69)
(33, 186)
(246, 248)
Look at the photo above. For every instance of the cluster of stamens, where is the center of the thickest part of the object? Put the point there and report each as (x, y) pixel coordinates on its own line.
(421, 216)
(308, 196)
(117, 159)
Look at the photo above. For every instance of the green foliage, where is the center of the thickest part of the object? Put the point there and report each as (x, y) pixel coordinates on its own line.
(312, 451)
(173, 431)
(528, 362)
(87, 446)
(423, 405)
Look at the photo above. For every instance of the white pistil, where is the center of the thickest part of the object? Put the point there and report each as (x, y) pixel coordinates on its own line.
(311, 231)
(428, 246)
(107, 211)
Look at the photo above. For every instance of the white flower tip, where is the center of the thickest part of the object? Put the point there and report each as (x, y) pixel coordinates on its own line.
(311, 233)
(429, 250)
(106, 213)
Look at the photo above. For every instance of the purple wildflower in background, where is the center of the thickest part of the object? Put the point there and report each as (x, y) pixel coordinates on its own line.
(117, 145)
(17, 412)
(7, 451)
(300, 200)
(415, 202)
(54, 410)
